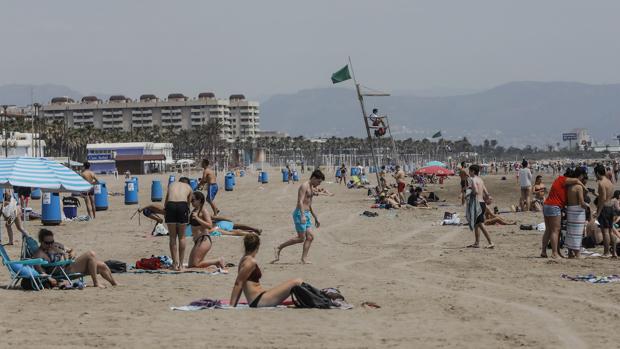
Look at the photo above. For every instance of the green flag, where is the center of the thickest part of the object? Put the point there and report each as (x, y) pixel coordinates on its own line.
(437, 135)
(341, 75)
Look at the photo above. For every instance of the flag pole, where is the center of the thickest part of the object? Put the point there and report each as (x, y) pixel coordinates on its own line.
(370, 143)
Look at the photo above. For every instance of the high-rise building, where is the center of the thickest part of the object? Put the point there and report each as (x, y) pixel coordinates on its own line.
(238, 117)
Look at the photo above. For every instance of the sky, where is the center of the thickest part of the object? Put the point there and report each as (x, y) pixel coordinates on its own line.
(261, 48)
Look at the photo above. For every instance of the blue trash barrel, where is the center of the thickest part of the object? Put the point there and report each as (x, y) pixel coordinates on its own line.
(135, 179)
(295, 176)
(131, 192)
(264, 178)
(50, 208)
(284, 175)
(355, 171)
(234, 182)
(242, 173)
(193, 183)
(36, 194)
(101, 196)
(171, 179)
(229, 182)
(157, 192)
(69, 207)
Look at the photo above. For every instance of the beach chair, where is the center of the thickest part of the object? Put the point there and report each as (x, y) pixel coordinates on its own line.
(30, 246)
(23, 269)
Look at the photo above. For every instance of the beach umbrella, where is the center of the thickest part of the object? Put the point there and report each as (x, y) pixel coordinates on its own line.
(42, 173)
(434, 170)
(436, 163)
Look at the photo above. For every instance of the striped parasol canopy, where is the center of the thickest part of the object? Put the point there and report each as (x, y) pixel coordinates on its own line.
(42, 173)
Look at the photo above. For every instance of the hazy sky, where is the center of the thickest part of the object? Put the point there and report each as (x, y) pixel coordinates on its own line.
(266, 47)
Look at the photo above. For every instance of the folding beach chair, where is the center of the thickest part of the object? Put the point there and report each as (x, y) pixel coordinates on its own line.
(23, 269)
(30, 247)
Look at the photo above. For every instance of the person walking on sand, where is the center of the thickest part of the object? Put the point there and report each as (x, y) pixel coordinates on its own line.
(301, 217)
(525, 180)
(464, 176)
(89, 196)
(476, 206)
(209, 179)
(343, 175)
(605, 210)
(176, 204)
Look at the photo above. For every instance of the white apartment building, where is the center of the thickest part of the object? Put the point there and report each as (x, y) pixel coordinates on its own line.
(239, 117)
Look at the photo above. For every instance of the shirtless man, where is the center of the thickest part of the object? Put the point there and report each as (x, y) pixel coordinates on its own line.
(209, 178)
(464, 176)
(301, 217)
(399, 176)
(478, 188)
(177, 204)
(89, 196)
(604, 210)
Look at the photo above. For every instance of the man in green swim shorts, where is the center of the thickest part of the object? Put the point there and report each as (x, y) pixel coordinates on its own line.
(302, 217)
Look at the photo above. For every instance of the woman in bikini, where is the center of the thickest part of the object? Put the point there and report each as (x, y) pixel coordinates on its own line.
(248, 280)
(202, 226)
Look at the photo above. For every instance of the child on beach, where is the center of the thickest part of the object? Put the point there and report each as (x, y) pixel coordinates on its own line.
(301, 217)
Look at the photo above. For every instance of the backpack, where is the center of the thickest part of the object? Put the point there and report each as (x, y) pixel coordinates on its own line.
(116, 266)
(307, 296)
(152, 263)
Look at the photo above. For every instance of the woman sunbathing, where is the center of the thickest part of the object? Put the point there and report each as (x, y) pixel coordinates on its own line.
(492, 219)
(201, 224)
(86, 263)
(248, 280)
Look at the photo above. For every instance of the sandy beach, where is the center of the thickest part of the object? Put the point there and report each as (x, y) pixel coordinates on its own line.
(433, 292)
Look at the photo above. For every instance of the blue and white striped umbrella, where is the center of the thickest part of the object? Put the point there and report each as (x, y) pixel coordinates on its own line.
(40, 173)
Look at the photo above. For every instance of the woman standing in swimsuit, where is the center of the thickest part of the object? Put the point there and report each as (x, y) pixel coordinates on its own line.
(201, 224)
(248, 280)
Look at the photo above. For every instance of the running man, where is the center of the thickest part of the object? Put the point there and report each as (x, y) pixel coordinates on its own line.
(89, 196)
(399, 176)
(210, 179)
(301, 217)
(177, 204)
(605, 210)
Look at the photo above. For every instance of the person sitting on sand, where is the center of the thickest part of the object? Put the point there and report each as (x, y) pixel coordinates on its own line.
(11, 212)
(416, 199)
(86, 263)
(248, 280)
(491, 218)
(390, 200)
(201, 224)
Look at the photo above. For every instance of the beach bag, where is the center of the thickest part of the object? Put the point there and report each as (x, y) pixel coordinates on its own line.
(116, 266)
(307, 296)
(160, 230)
(152, 263)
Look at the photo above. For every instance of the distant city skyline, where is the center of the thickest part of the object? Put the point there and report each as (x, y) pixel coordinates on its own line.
(270, 47)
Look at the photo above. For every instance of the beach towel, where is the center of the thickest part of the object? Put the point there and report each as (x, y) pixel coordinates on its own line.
(207, 303)
(473, 210)
(593, 279)
(175, 272)
(575, 222)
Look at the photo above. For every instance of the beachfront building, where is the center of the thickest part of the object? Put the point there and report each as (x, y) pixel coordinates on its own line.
(136, 157)
(21, 144)
(237, 116)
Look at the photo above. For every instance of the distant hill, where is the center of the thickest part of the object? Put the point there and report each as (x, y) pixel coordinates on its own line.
(516, 113)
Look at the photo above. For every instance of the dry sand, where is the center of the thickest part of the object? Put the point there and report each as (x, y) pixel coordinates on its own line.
(432, 291)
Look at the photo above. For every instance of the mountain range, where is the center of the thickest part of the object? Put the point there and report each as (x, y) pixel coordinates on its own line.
(516, 113)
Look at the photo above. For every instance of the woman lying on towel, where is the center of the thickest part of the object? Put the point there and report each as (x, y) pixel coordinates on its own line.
(86, 263)
(491, 218)
(248, 280)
